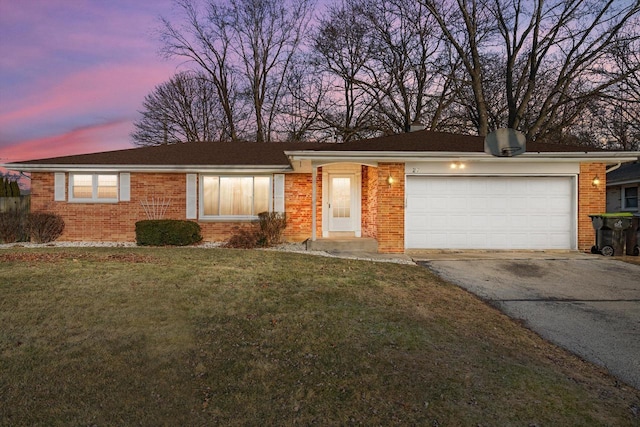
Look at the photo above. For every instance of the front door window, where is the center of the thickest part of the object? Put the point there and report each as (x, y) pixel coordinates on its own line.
(340, 203)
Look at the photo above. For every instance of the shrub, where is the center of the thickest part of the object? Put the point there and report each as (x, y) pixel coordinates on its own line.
(247, 237)
(160, 232)
(267, 232)
(272, 224)
(44, 227)
(12, 227)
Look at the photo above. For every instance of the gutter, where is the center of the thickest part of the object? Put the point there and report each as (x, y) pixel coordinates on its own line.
(614, 167)
(615, 157)
(625, 182)
(27, 167)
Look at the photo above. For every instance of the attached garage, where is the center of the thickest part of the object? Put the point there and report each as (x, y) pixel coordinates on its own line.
(490, 212)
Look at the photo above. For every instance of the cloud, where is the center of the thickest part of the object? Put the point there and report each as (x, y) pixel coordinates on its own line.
(85, 96)
(64, 65)
(98, 137)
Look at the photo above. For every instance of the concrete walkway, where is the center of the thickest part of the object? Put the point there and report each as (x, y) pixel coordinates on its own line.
(588, 304)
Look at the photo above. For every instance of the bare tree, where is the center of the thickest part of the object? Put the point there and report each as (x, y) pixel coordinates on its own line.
(342, 46)
(615, 117)
(404, 75)
(384, 58)
(300, 107)
(205, 39)
(246, 46)
(184, 109)
(557, 53)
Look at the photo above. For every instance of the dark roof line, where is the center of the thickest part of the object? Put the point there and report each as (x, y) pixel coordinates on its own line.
(273, 153)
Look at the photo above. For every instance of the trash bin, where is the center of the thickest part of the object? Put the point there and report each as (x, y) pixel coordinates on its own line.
(633, 236)
(611, 233)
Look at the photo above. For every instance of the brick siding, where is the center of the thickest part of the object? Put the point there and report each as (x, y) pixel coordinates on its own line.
(390, 215)
(382, 207)
(298, 200)
(115, 222)
(591, 200)
(369, 202)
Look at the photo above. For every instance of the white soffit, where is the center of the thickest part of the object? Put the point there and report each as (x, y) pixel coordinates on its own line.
(492, 168)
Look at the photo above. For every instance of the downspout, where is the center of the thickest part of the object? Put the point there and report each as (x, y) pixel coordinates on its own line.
(614, 167)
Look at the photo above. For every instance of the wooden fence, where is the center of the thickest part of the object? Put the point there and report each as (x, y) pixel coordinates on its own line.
(19, 204)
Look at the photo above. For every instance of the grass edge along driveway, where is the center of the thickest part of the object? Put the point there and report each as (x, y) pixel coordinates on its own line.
(176, 336)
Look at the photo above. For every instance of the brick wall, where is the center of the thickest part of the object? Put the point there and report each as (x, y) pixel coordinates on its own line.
(591, 200)
(390, 215)
(109, 221)
(115, 222)
(369, 202)
(298, 199)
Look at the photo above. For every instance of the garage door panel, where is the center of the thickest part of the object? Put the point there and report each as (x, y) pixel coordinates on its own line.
(559, 223)
(489, 212)
(519, 204)
(478, 203)
(497, 204)
(437, 203)
(478, 221)
(496, 222)
(557, 240)
(478, 240)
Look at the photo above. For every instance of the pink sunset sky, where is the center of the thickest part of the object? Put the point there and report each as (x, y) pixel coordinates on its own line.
(74, 73)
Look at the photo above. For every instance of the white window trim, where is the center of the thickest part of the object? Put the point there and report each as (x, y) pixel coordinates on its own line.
(229, 218)
(623, 197)
(94, 198)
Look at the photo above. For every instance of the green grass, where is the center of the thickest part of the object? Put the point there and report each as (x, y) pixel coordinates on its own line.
(160, 336)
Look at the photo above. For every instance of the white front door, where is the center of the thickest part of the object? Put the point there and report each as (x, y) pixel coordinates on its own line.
(341, 202)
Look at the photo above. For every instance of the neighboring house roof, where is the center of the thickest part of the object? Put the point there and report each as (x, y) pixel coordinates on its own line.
(276, 156)
(625, 174)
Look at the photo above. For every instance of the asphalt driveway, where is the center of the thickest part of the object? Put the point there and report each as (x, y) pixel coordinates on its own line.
(588, 304)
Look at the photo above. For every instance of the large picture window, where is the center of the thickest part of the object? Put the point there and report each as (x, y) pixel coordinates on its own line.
(234, 195)
(93, 187)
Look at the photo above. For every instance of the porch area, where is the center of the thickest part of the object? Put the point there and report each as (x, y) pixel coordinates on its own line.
(343, 244)
(353, 206)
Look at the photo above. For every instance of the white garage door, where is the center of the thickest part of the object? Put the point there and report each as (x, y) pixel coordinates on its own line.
(489, 213)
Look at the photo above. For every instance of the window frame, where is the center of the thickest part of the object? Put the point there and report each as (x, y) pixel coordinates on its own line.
(252, 217)
(95, 177)
(624, 198)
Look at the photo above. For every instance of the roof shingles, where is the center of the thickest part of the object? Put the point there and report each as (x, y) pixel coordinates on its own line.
(272, 154)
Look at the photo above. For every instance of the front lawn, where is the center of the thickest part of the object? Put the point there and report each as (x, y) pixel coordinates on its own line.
(183, 336)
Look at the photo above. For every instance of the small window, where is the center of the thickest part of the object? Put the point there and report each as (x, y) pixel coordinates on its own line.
(630, 198)
(93, 188)
(225, 196)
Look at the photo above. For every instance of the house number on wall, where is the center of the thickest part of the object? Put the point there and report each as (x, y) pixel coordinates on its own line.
(415, 170)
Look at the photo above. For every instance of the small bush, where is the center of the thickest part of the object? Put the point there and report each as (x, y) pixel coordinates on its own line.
(12, 227)
(247, 237)
(161, 232)
(267, 232)
(44, 227)
(272, 224)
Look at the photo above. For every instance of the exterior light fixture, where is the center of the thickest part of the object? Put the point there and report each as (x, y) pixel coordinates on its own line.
(596, 181)
(390, 180)
(457, 165)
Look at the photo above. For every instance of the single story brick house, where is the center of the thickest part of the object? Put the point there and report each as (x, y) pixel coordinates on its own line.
(623, 187)
(418, 190)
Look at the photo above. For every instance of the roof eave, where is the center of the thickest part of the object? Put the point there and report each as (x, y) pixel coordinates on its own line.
(445, 155)
(29, 167)
(623, 182)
